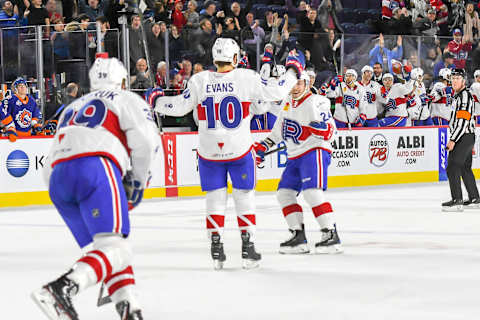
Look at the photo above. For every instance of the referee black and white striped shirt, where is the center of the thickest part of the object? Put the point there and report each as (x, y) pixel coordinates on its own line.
(462, 120)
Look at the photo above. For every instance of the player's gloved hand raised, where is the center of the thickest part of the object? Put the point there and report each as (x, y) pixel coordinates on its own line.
(267, 57)
(361, 120)
(152, 94)
(296, 60)
(323, 90)
(336, 81)
(260, 149)
(448, 91)
(12, 134)
(321, 129)
(133, 190)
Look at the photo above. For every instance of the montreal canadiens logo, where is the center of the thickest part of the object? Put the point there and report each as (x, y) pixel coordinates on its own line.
(378, 150)
(18, 163)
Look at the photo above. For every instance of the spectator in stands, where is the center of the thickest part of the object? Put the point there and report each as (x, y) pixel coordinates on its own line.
(447, 62)
(297, 12)
(384, 56)
(427, 26)
(161, 12)
(8, 18)
(237, 12)
(112, 12)
(93, 9)
(73, 92)
(175, 44)
(460, 46)
(137, 50)
(377, 72)
(330, 52)
(206, 38)
(442, 16)
(232, 29)
(177, 81)
(434, 55)
(419, 9)
(401, 22)
(77, 36)
(108, 38)
(143, 78)
(472, 23)
(276, 37)
(209, 12)
(327, 15)
(61, 46)
(37, 15)
(156, 44)
(387, 8)
(193, 22)
(456, 15)
(308, 26)
(178, 19)
(161, 75)
(198, 67)
(258, 32)
(186, 70)
(51, 7)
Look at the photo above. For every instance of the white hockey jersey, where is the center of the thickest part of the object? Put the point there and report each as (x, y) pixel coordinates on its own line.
(350, 103)
(475, 91)
(115, 124)
(442, 103)
(372, 93)
(396, 100)
(419, 109)
(222, 104)
(292, 125)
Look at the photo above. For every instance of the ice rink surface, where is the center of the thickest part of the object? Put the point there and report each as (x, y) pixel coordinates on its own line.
(404, 259)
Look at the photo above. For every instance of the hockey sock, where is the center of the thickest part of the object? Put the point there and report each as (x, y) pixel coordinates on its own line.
(292, 211)
(245, 208)
(121, 286)
(111, 254)
(322, 210)
(216, 205)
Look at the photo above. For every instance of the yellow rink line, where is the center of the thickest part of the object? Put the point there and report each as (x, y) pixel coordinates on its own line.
(42, 198)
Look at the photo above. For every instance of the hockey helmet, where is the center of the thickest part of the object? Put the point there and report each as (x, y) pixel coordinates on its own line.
(306, 77)
(107, 74)
(417, 74)
(18, 81)
(445, 73)
(476, 73)
(387, 75)
(224, 50)
(367, 68)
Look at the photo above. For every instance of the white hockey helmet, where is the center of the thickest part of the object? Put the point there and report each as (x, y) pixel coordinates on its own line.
(445, 73)
(475, 74)
(224, 50)
(352, 72)
(367, 68)
(417, 74)
(107, 74)
(387, 75)
(306, 77)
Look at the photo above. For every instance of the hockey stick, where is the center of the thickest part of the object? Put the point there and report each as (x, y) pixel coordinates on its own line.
(275, 150)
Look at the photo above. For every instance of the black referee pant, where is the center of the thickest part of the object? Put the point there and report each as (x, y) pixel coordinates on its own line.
(460, 165)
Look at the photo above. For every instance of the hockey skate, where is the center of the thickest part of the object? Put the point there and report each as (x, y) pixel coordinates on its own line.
(330, 242)
(471, 203)
(123, 309)
(296, 244)
(55, 299)
(453, 206)
(218, 255)
(249, 255)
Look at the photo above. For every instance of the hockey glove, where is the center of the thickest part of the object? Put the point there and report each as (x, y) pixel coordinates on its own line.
(152, 94)
(448, 91)
(37, 130)
(336, 81)
(133, 190)
(296, 60)
(361, 120)
(12, 134)
(260, 149)
(267, 57)
(323, 90)
(321, 129)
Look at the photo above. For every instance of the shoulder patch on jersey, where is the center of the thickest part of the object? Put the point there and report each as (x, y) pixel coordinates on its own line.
(186, 94)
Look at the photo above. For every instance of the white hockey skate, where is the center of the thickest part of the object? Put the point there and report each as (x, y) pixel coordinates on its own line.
(330, 243)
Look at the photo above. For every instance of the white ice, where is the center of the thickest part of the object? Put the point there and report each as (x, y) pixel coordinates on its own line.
(404, 259)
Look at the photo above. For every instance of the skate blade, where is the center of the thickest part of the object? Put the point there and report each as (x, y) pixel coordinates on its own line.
(300, 249)
(46, 302)
(472, 207)
(333, 249)
(217, 264)
(453, 209)
(250, 264)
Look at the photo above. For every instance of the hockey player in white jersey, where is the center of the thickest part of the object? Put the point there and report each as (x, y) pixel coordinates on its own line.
(306, 126)
(475, 91)
(418, 101)
(372, 92)
(350, 100)
(442, 98)
(221, 102)
(393, 98)
(100, 136)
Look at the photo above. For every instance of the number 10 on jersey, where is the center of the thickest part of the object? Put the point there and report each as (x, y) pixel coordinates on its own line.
(229, 111)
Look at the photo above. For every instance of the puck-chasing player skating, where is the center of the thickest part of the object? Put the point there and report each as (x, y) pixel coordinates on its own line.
(307, 127)
(19, 113)
(100, 136)
(222, 105)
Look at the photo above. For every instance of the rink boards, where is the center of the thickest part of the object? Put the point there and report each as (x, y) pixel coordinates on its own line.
(361, 157)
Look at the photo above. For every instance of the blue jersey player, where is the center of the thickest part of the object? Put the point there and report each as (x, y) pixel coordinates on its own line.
(19, 113)
(100, 136)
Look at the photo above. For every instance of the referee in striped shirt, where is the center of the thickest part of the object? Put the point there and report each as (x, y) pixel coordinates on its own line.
(460, 146)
